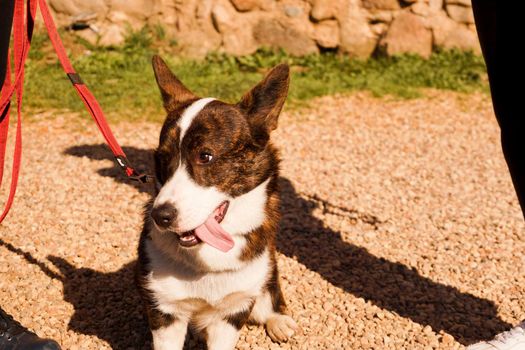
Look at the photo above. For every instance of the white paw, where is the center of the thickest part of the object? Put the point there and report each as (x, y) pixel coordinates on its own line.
(281, 327)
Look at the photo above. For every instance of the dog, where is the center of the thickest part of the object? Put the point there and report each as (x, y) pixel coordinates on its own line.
(207, 250)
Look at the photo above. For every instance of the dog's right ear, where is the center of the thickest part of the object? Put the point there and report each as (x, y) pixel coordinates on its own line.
(172, 90)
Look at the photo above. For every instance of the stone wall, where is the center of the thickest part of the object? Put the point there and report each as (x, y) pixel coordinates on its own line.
(239, 27)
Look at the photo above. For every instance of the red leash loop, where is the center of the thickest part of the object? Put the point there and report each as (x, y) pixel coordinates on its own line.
(22, 34)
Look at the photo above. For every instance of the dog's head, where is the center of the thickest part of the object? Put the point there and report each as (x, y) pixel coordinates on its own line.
(214, 158)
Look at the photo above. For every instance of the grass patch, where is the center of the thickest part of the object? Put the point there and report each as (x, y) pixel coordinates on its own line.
(122, 78)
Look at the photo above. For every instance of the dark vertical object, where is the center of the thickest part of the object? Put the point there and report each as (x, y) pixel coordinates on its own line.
(6, 22)
(501, 33)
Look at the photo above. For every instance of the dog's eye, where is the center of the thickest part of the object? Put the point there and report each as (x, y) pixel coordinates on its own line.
(204, 157)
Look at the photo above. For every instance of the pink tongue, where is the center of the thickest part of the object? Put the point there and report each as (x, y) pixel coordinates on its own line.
(212, 233)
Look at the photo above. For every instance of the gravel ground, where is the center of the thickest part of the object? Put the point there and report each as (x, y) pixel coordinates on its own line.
(401, 229)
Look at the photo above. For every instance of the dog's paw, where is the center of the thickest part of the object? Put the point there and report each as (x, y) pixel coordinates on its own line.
(281, 327)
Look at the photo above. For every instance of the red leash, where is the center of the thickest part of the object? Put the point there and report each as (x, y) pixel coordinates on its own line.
(22, 34)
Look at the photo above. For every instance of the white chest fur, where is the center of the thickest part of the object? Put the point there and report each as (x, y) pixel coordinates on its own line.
(171, 283)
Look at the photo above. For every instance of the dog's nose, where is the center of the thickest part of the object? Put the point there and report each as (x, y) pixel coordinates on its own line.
(164, 215)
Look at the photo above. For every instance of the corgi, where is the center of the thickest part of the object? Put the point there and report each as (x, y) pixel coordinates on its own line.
(206, 257)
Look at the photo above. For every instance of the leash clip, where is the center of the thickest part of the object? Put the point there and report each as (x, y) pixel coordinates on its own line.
(142, 178)
(132, 174)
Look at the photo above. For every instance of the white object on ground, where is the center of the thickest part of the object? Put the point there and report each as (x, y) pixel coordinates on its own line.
(513, 339)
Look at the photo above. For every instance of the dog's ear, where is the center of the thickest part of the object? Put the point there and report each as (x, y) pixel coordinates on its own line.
(264, 102)
(172, 90)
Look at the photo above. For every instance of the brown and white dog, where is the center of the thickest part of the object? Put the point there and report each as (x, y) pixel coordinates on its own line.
(207, 250)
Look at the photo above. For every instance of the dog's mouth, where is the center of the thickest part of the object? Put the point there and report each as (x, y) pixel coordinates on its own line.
(188, 239)
(191, 238)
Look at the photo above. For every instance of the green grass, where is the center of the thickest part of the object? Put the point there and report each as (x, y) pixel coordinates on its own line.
(122, 80)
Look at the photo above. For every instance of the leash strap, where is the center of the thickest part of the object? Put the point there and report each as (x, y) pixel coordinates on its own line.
(22, 34)
(89, 100)
(4, 118)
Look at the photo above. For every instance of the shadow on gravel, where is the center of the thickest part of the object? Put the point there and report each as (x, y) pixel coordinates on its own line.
(389, 285)
(107, 306)
(142, 160)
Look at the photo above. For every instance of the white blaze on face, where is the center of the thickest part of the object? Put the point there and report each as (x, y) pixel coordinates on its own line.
(190, 113)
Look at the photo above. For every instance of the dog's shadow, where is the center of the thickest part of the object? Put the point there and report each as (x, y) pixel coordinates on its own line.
(107, 305)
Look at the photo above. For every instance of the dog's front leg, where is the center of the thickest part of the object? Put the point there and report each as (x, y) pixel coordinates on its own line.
(171, 336)
(222, 335)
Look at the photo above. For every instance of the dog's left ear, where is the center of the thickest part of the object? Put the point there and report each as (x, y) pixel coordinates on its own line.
(264, 102)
